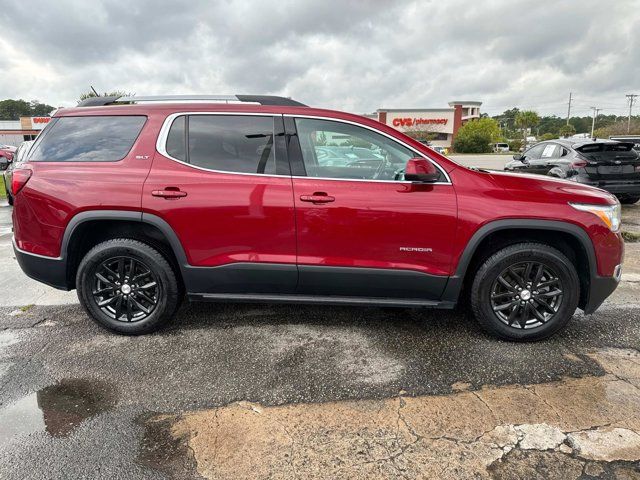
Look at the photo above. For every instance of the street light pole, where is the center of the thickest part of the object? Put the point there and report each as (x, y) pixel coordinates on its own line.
(631, 98)
(593, 122)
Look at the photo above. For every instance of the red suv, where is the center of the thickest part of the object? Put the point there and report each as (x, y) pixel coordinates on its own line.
(262, 199)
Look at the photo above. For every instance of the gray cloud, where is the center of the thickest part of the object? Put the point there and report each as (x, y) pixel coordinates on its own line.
(352, 55)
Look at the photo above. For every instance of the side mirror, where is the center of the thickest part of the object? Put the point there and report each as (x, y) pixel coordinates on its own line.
(420, 170)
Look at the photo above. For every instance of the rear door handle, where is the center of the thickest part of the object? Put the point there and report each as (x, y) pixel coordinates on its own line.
(317, 197)
(169, 192)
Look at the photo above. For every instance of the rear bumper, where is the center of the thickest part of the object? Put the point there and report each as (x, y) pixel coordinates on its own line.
(48, 270)
(599, 289)
(614, 186)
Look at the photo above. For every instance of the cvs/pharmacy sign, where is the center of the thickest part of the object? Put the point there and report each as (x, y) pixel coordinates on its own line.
(416, 121)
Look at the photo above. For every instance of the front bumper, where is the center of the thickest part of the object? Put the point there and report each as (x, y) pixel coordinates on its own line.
(599, 289)
(48, 270)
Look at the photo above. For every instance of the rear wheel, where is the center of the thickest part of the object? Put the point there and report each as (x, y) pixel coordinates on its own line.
(628, 200)
(525, 292)
(127, 286)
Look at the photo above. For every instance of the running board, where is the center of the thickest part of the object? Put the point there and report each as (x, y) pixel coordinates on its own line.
(319, 300)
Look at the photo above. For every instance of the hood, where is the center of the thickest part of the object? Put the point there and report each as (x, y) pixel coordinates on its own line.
(541, 188)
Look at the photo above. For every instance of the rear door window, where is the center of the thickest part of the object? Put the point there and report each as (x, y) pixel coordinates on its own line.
(227, 143)
(232, 143)
(88, 139)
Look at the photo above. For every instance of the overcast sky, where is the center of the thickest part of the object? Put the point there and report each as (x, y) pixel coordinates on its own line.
(349, 55)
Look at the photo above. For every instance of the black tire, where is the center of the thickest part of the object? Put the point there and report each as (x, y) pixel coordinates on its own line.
(9, 198)
(628, 200)
(558, 274)
(137, 258)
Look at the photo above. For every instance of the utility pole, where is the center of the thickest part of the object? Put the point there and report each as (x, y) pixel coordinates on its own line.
(631, 99)
(593, 123)
(569, 109)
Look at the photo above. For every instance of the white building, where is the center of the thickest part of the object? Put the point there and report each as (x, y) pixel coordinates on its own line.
(14, 132)
(442, 123)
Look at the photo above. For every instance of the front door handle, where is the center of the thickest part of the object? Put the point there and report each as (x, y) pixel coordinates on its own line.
(317, 197)
(169, 193)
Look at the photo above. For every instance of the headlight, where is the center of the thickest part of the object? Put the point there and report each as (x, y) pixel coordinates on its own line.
(611, 215)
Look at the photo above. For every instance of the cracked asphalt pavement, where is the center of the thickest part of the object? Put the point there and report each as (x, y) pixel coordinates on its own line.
(268, 391)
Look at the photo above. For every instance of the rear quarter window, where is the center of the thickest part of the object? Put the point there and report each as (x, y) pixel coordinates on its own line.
(88, 139)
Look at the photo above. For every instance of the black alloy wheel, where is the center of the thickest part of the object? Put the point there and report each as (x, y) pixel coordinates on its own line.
(525, 292)
(125, 289)
(526, 295)
(128, 286)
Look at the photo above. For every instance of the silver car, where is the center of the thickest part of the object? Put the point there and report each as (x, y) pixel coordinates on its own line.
(19, 155)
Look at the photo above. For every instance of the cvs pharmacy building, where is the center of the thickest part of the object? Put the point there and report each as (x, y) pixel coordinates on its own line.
(438, 126)
(14, 132)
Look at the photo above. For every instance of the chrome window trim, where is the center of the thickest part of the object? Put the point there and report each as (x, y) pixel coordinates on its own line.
(161, 143)
(422, 155)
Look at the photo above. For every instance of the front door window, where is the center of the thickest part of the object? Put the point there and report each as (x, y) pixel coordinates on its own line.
(344, 151)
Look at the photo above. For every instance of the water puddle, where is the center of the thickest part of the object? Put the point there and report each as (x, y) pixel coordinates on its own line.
(57, 409)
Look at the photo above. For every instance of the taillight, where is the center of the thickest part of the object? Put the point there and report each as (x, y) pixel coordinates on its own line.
(19, 178)
(579, 163)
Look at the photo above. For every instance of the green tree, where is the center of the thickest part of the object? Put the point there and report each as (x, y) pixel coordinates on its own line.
(547, 136)
(507, 121)
(567, 130)
(14, 109)
(476, 136)
(550, 124)
(40, 109)
(514, 145)
(581, 124)
(525, 120)
(619, 128)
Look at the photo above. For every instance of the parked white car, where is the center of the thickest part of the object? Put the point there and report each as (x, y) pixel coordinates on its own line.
(500, 147)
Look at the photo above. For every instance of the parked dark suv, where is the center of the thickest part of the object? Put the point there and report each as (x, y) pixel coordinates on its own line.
(607, 164)
(262, 199)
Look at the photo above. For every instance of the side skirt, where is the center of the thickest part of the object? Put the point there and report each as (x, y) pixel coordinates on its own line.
(320, 300)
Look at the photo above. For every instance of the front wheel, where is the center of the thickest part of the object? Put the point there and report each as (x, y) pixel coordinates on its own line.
(525, 292)
(127, 286)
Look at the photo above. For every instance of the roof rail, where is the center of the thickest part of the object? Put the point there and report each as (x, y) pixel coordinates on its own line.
(261, 99)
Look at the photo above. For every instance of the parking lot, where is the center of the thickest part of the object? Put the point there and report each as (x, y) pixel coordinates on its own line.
(267, 391)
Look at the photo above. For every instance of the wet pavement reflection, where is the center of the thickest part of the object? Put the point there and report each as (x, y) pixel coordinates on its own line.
(57, 409)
